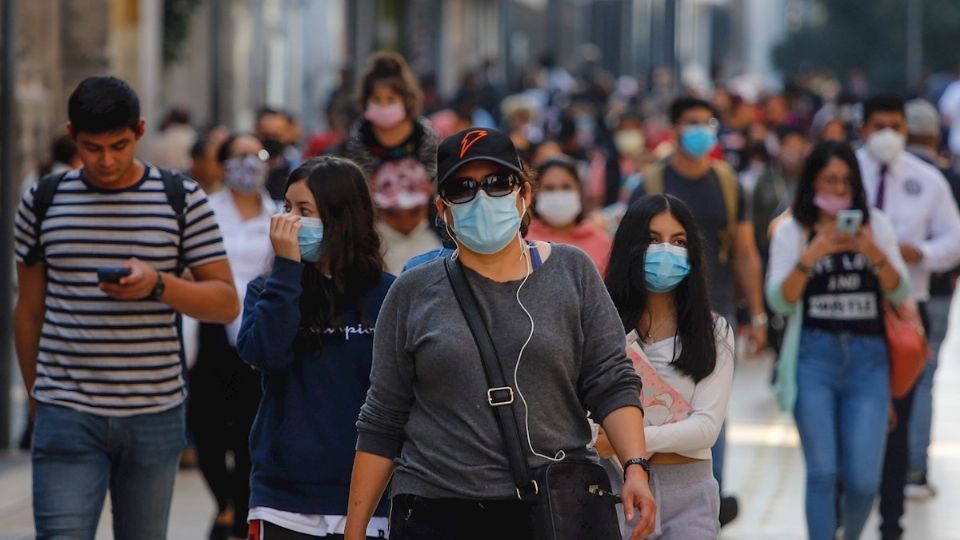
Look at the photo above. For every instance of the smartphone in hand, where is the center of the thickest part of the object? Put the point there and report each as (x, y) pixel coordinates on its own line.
(849, 221)
(112, 274)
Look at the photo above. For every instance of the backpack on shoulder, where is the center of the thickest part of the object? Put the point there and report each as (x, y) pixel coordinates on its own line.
(727, 177)
(47, 190)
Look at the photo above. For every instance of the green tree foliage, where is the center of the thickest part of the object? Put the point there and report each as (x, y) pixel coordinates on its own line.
(841, 35)
(176, 27)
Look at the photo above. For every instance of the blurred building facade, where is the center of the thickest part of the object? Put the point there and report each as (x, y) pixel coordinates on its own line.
(241, 54)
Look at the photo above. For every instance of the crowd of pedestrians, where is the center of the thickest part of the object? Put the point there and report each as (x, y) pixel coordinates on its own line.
(294, 309)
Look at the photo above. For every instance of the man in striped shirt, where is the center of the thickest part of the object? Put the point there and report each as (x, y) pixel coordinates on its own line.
(102, 360)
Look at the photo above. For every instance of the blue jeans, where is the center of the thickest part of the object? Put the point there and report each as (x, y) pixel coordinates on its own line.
(78, 456)
(843, 395)
(719, 450)
(921, 419)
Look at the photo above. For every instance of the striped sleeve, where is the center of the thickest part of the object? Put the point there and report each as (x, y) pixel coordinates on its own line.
(24, 223)
(202, 241)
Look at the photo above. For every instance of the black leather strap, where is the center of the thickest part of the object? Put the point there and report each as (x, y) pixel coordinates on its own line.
(500, 393)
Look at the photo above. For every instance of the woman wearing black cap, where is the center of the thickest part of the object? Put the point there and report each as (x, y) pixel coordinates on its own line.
(559, 340)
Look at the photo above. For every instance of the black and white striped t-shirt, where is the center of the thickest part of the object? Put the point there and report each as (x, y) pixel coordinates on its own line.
(97, 354)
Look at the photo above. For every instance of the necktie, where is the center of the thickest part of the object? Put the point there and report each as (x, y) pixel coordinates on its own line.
(882, 187)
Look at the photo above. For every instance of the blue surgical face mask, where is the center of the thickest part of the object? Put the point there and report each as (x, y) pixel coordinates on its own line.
(311, 239)
(486, 224)
(698, 140)
(665, 266)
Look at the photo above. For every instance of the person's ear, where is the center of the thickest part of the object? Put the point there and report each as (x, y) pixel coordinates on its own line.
(526, 192)
(441, 209)
(141, 129)
(71, 133)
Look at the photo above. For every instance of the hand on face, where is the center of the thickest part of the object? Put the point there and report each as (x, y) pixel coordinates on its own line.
(284, 231)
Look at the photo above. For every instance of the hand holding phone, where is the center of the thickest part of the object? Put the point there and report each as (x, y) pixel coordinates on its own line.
(112, 274)
(849, 221)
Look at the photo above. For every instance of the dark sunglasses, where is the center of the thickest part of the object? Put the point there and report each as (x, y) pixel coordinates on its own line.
(464, 189)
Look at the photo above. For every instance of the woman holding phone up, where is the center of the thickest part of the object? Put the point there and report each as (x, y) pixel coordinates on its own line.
(834, 369)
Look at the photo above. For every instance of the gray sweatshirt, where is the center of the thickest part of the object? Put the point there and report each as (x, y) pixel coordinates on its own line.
(427, 405)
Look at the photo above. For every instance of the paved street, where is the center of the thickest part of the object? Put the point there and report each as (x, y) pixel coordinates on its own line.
(765, 469)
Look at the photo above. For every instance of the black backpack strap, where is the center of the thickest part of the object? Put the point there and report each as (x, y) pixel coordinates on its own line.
(499, 394)
(177, 198)
(42, 199)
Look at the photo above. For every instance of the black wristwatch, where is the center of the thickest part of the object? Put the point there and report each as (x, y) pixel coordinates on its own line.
(158, 288)
(644, 464)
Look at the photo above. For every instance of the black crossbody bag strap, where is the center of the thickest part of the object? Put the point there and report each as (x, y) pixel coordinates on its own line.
(499, 394)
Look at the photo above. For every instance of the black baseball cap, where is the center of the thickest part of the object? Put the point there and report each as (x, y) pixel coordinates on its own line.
(475, 144)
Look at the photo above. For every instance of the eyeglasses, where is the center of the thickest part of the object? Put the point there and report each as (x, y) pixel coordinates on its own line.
(711, 123)
(834, 181)
(464, 189)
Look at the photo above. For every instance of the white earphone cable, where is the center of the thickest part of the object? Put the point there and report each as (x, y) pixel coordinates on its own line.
(524, 253)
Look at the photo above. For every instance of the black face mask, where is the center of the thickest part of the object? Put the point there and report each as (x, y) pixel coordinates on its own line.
(274, 147)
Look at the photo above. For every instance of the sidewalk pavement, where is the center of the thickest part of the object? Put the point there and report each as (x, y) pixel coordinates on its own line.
(764, 469)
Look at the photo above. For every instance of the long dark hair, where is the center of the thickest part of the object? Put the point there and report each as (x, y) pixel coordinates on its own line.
(626, 285)
(805, 212)
(350, 252)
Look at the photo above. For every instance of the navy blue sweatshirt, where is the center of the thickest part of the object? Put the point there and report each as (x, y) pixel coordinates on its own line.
(303, 439)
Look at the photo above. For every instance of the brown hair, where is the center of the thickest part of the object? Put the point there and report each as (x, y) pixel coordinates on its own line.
(529, 182)
(350, 250)
(390, 69)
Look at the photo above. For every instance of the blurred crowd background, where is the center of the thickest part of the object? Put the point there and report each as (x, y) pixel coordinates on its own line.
(589, 79)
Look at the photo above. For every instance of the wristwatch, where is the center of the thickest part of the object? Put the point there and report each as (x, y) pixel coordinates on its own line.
(644, 464)
(158, 288)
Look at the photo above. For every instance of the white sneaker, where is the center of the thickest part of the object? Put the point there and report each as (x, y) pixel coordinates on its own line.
(919, 492)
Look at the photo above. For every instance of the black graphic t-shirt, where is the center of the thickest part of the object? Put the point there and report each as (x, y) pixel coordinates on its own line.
(844, 294)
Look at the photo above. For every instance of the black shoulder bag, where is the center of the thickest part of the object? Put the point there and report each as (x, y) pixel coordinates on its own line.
(569, 499)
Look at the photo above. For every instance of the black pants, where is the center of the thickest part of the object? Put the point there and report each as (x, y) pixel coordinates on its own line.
(418, 518)
(224, 396)
(896, 460)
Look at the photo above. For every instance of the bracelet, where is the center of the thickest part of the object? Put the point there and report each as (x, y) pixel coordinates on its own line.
(804, 269)
(644, 464)
(760, 320)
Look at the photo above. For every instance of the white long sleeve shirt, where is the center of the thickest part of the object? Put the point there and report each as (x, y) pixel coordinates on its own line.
(694, 435)
(789, 242)
(247, 242)
(919, 203)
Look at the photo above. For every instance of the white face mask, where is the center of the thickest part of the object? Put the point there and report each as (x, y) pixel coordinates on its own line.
(559, 208)
(886, 145)
(630, 142)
